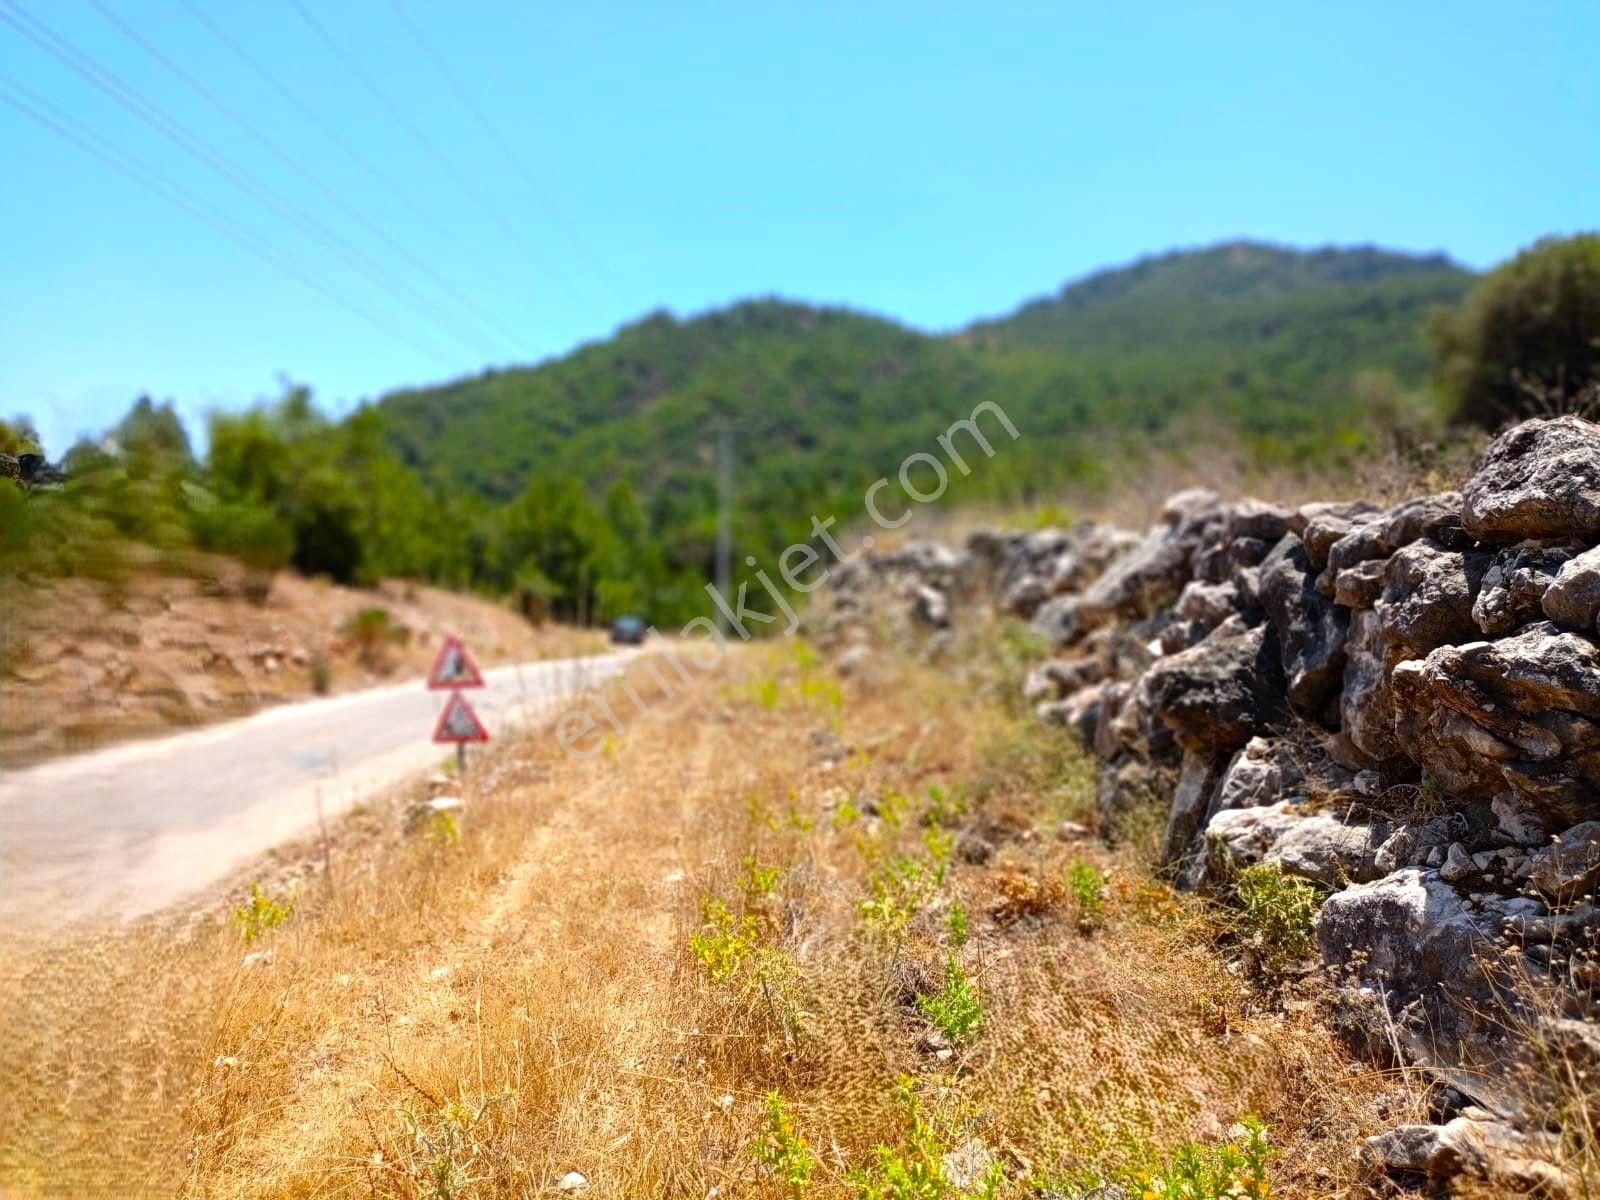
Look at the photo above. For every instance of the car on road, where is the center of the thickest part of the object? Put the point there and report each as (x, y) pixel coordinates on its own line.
(628, 631)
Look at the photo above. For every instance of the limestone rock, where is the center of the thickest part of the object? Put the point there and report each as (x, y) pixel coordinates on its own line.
(1217, 695)
(1573, 600)
(1515, 585)
(1310, 628)
(1569, 868)
(1318, 846)
(1540, 479)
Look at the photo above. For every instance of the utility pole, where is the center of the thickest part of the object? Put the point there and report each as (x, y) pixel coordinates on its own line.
(724, 516)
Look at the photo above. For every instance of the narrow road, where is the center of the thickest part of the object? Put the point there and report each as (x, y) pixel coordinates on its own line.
(129, 830)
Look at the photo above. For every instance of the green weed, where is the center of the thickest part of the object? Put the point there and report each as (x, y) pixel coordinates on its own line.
(723, 942)
(782, 1149)
(1276, 914)
(954, 1009)
(260, 914)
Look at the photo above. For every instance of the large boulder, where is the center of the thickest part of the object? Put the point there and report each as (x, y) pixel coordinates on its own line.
(1521, 713)
(1310, 628)
(1540, 479)
(1217, 695)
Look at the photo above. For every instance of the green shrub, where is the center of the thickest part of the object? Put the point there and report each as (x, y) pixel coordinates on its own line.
(783, 1149)
(723, 942)
(1276, 914)
(1087, 886)
(260, 914)
(955, 924)
(954, 1009)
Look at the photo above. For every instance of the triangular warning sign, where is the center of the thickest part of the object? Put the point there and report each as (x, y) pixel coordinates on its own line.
(458, 723)
(454, 667)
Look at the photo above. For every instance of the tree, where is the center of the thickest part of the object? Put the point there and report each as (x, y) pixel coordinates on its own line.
(1527, 339)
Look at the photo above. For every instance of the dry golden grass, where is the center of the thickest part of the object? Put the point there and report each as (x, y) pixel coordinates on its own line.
(479, 1018)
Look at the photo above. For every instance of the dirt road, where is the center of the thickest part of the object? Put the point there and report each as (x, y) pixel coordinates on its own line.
(129, 830)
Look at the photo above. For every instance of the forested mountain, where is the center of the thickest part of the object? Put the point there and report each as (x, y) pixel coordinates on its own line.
(822, 401)
(589, 479)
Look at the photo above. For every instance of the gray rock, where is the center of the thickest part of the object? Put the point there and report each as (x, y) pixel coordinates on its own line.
(1458, 864)
(1143, 581)
(1057, 620)
(1024, 596)
(1191, 802)
(1312, 845)
(1426, 602)
(1217, 695)
(1519, 714)
(1310, 629)
(1209, 604)
(1514, 586)
(1414, 960)
(1475, 1147)
(1569, 868)
(1259, 520)
(1573, 600)
(1435, 518)
(1540, 479)
(1516, 820)
(930, 606)
(1360, 586)
(1263, 772)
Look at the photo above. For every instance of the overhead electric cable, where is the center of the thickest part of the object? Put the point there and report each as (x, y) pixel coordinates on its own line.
(507, 149)
(156, 117)
(424, 142)
(353, 153)
(42, 113)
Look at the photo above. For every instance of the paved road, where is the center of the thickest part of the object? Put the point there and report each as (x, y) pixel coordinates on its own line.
(134, 828)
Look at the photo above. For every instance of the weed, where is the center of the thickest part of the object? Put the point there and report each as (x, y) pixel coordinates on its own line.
(723, 942)
(955, 924)
(767, 694)
(445, 1147)
(954, 1009)
(782, 1149)
(913, 1170)
(1276, 912)
(1026, 894)
(1233, 1170)
(944, 809)
(756, 881)
(443, 829)
(321, 674)
(260, 914)
(899, 888)
(372, 630)
(1088, 888)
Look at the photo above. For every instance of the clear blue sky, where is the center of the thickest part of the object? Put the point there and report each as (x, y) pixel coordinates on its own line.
(929, 161)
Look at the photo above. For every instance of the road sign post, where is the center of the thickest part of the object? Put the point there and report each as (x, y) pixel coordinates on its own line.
(454, 670)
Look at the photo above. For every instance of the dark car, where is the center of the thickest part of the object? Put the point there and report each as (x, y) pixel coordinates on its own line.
(628, 631)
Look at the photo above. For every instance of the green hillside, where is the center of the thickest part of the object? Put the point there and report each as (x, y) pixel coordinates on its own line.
(587, 483)
(823, 400)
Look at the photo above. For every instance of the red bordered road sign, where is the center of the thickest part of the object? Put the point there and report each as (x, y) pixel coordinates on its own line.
(454, 668)
(458, 723)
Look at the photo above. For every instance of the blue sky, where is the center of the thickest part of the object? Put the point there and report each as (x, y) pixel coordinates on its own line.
(934, 162)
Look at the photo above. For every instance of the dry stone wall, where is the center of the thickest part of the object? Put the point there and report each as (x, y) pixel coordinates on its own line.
(1400, 704)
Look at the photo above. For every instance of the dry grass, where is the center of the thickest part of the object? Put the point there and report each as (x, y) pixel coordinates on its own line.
(478, 1018)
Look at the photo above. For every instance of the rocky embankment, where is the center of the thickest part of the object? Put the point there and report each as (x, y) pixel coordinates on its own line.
(1399, 704)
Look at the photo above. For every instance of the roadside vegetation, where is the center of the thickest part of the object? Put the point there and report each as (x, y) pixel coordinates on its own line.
(875, 958)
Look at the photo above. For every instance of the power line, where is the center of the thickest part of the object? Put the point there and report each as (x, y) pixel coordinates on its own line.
(507, 150)
(440, 160)
(353, 153)
(41, 112)
(152, 114)
(272, 148)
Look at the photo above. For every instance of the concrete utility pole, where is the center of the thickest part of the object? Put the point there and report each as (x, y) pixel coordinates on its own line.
(724, 516)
